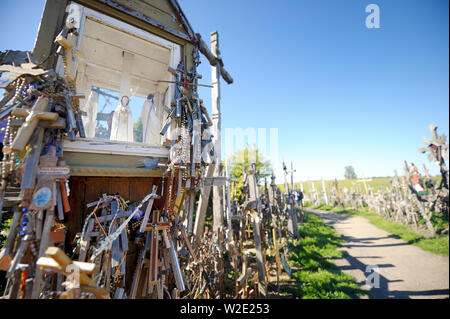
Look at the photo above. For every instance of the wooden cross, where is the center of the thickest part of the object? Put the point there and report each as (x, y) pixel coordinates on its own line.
(32, 118)
(242, 289)
(276, 250)
(58, 261)
(217, 70)
(154, 229)
(365, 184)
(262, 287)
(148, 210)
(188, 243)
(139, 267)
(48, 176)
(249, 231)
(292, 214)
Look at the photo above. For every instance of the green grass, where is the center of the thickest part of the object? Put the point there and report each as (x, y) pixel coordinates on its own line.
(375, 184)
(4, 226)
(438, 245)
(318, 277)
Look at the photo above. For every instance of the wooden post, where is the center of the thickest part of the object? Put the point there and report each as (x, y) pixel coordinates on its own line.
(203, 205)
(45, 240)
(148, 211)
(292, 214)
(324, 192)
(262, 288)
(228, 202)
(338, 193)
(277, 257)
(154, 242)
(216, 119)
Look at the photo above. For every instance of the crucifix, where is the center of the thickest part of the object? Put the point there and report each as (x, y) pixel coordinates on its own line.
(32, 118)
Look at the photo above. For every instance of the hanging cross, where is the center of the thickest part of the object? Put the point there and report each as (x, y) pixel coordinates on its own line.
(174, 171)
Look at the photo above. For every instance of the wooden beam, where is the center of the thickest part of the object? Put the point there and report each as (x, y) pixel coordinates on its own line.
(203, 205)
(136, 19)
(63, 261)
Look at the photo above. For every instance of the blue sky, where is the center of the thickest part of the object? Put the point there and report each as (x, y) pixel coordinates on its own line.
(339, 93)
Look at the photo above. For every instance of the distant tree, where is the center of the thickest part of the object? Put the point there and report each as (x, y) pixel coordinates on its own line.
(239, 163)
(350, 172)
(137, 131)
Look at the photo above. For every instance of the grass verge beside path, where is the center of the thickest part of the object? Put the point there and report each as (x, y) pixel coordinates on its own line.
(318, 277)
(438, 245)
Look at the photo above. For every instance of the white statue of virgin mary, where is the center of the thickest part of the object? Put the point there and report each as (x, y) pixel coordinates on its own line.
(122, 121)
(150, 122)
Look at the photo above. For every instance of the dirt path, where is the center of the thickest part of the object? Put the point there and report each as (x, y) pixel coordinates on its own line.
(406, 271)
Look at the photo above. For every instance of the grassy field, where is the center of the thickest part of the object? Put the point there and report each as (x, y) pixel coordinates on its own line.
(374, 183)
(438, 245)
(312, 254)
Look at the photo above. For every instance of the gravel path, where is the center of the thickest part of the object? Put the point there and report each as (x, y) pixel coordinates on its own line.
(405, 271)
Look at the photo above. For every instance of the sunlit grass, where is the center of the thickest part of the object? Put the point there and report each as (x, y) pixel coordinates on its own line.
(318, 277)
(438, 245)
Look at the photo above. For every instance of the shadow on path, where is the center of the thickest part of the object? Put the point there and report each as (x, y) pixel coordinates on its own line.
(354, 262)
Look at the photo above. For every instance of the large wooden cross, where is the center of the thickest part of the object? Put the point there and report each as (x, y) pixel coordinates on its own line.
(32, 118)
(292, 214)
(217, 71)
(58, 261)
(365, 183)
(154, 229)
